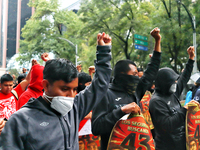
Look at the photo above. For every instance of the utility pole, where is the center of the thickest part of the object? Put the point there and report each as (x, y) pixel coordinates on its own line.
(193, 22)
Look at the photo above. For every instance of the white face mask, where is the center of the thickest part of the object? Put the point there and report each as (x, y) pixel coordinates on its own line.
(61, 104)
(172, 89)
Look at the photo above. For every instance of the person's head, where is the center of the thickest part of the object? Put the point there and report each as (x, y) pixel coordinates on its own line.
(92, 145)
(84, 80)
(166, 80)
(125, 67)
(6, 83)
(140, 72)
(21, 77)
(192, 144)
(126, 76)
(24, 70)
(60, 78)
(81, 144)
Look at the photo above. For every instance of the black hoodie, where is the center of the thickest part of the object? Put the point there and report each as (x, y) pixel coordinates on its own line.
(167, 114)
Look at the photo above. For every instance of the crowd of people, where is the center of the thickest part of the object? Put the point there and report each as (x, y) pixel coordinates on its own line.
(46, 107)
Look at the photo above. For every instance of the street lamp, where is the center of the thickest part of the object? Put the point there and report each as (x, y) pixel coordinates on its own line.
(194, 35)
(75, 45)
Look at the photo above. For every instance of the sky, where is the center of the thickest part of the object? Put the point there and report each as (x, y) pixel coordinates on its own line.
(65, 3)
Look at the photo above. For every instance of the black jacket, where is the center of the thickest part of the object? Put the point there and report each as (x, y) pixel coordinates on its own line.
(36, 126)
(108, 112)
(167, 114)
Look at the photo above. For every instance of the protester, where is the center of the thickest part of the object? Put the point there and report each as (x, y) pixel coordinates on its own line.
(35, 88)
(24, 70)
(9, 96)
(140, 72)
(51, 122)
(124, 93)
(20, 78)
(168, 116)
(84, 80)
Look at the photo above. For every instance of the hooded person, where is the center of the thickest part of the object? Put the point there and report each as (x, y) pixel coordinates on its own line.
(84, 80)
(124, 93)
(35, 88)
(168, 116)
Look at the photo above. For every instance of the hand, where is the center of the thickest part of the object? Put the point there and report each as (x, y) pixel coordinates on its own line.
(150, 55)
(2, 124)
(34, 62)
(45, 57)
(190, 51)
(192, 101)
(79, 68)
(131, 108)
(91, 69)
(103, 39)
(155, 33)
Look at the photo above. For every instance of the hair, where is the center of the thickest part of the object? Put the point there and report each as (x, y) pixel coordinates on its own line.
(122, 66)
(59, 69)
(20, 77)
(140, 69)
(6, 77)
(84, 77)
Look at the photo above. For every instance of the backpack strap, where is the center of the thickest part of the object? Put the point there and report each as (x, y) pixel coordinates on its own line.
(15, 94)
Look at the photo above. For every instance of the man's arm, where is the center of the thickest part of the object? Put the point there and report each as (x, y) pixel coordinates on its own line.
(150, 73)
(185, 76)
(88, 98)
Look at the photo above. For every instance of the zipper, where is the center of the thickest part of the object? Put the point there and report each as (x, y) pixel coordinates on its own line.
(64, 132)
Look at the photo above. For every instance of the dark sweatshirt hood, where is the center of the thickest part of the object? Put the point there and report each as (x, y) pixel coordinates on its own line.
(165, 78)
(41, 105)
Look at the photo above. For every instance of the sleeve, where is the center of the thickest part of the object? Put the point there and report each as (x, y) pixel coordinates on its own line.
(160, 114)
(19, 90)
(149, 75)
(184, 78)
(93, 94)
(104, 117)
(9, 140)
(188, 97)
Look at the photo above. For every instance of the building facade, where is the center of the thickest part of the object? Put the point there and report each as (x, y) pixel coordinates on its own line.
(13, 17)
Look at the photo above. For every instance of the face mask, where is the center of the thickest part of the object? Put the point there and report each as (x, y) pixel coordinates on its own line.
(172, 89)
(61, 104)
(127, 82)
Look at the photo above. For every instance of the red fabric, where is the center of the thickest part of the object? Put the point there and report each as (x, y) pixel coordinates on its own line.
(35, 87)
(82, 123)
(8, 103)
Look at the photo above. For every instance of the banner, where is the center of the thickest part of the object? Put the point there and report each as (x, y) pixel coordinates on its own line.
(193, 127)
(87, 141)
(131, 134)
(144, 105)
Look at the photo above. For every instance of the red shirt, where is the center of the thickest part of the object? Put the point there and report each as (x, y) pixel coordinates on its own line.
(8, 103)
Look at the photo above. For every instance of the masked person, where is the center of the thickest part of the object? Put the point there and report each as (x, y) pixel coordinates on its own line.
(168, 116)
(124, 93)
(51, 122)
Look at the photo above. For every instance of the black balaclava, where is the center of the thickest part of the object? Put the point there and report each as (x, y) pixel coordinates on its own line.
(165, 78)
(127, 82)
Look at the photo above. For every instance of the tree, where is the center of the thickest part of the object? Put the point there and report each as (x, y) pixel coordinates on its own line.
(42, 31)
(121, 19)
(176, 30)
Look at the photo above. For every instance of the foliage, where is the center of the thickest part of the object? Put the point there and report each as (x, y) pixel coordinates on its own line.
(42, 31)
(121, 20)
